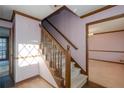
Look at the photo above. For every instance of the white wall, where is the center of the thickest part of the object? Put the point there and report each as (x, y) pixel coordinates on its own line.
(27, 34)
(45, 72)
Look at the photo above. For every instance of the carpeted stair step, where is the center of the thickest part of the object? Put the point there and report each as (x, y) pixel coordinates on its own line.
(78, 81)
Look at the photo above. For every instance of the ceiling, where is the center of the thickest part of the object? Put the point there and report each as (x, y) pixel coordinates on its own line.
(42, 11)
(107, 26)
(38, 11)
(84, 9)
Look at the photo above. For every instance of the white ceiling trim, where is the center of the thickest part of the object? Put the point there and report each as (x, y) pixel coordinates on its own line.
(42, 11)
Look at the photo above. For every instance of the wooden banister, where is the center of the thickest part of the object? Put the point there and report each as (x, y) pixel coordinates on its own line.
(62, 35)
(68, 68)
(54, 53)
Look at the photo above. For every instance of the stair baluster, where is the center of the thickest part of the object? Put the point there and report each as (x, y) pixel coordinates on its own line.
(54, 54)
(60, 70)
(58, 64)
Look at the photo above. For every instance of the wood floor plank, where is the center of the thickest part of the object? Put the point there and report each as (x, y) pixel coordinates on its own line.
(36, 82)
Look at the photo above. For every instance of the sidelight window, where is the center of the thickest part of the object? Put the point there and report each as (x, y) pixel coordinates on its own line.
(3, 48)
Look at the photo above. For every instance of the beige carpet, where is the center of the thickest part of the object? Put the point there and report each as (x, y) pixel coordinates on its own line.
(36, 82)
(106, 74)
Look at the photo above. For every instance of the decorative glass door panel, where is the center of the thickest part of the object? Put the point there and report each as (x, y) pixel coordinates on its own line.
(3, 48)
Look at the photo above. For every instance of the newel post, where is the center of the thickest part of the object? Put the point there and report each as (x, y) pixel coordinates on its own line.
(68, 68)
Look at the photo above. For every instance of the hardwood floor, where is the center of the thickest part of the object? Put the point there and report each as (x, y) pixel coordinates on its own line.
(90, 84)
(102, 74)
(107, 74)
(36, 82)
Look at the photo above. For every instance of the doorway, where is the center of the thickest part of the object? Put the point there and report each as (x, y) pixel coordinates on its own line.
(105, 51)
(5, 63)
(4, 58)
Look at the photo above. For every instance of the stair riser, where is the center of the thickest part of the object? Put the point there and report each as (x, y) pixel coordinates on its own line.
(73, 74)
(63, 67)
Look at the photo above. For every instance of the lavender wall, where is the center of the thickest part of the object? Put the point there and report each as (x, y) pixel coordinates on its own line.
(109, 41)
(75, 29)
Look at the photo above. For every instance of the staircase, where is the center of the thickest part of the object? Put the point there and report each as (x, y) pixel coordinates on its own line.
(65, 71)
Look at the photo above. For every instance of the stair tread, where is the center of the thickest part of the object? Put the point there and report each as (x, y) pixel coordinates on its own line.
(77, 81)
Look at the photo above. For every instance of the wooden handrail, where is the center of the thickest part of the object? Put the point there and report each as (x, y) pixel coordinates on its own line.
(62, 35)
(68, 68)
